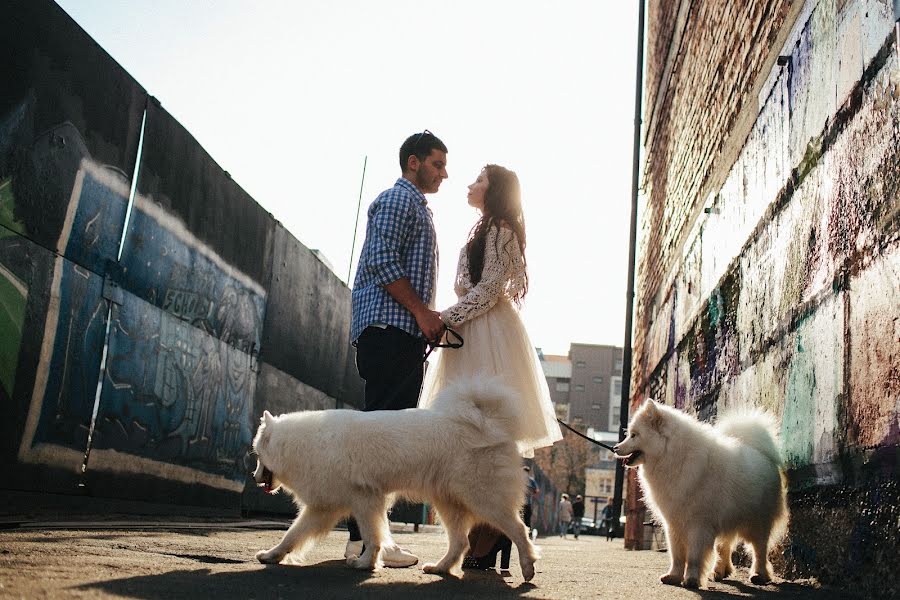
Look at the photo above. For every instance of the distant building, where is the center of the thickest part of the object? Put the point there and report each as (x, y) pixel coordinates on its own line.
(588, 382)
(558, 371)
(586, 389)
(600, 477)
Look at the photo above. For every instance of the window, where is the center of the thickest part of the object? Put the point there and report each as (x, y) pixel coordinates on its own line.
(562, 386)
(615, 401)
(580, 364)
(618, 365)
(579, 387)
(598, 379)
(595, 406)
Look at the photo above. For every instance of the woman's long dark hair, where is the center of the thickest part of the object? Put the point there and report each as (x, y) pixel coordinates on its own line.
(502, 207)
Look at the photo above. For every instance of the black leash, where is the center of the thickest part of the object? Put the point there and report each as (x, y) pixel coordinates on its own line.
(448, 344)
(579, 434)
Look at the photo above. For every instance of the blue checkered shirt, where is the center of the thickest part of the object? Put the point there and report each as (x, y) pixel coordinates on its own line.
(400, 242)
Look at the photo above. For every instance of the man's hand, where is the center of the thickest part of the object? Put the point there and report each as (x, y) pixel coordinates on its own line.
(430, 323)
(428, 320)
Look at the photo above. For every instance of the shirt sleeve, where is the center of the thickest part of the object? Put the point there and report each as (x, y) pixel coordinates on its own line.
(390, 222)
(502, 262)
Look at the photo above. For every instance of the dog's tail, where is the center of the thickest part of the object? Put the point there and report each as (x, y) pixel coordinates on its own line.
(756, 429)
(485, 403)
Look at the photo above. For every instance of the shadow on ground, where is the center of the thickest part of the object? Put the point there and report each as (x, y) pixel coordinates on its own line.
(329, 579)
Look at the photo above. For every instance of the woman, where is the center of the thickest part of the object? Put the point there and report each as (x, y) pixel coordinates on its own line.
(491, 281)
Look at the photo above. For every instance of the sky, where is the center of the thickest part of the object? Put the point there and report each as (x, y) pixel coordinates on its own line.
(293, 97)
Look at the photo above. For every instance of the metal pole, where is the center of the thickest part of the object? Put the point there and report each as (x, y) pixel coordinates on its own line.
(629, 300)
(356, 225)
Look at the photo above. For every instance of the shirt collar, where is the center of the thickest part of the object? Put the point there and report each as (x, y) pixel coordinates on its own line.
(409, 185)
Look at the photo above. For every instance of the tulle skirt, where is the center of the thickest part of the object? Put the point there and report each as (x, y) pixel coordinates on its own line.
(497, 344)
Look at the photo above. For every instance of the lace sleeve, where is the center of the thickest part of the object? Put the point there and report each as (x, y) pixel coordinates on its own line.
(503, 275)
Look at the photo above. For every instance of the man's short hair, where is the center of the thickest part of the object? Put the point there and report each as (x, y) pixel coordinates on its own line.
(420, 145)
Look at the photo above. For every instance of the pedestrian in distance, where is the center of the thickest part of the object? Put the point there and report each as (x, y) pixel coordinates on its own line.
(607, 521)
(564, 515)
(577, 515)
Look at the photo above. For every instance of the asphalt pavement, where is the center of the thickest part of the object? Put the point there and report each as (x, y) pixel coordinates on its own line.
(159, 557)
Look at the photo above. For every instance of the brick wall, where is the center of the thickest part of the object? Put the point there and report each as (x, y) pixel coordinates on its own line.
(770, 254)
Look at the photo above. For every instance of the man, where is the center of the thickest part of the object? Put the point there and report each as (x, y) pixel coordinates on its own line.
(393, 296)
(577, 514)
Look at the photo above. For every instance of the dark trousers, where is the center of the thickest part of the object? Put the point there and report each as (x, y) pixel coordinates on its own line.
(526, 516)
(390, 361)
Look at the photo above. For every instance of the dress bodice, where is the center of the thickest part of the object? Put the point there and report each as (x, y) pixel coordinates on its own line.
(502, 278)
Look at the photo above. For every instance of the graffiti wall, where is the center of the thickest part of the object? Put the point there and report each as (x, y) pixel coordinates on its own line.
(141, 334)
(785, 291)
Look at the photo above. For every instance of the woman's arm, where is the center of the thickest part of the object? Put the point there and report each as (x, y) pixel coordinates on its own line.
(502, 259)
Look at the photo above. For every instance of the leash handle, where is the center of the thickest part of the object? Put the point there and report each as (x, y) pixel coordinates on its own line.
(448, 344)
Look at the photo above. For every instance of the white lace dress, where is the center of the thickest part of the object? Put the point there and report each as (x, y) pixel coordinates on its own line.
(496, 342)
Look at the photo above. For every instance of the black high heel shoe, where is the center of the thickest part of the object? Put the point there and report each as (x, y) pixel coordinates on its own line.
(503, 546)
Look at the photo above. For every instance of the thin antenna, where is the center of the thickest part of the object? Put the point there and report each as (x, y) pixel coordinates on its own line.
(356, 225)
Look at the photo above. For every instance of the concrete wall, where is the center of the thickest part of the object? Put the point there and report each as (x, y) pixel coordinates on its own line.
(770, 256)
(212, 313)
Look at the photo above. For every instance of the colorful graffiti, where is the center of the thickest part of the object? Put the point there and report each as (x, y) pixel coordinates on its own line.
(787, 298)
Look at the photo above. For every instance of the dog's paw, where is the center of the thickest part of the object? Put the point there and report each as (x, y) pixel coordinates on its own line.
(721, 574)
(760, 579)
(269, 557)
(528, 571)
(439, 569)
(433, 569)
(670, 579)
(691, 583)
(362, 564)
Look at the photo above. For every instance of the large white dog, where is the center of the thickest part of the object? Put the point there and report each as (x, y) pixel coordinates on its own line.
(708, 484)
(459, 455)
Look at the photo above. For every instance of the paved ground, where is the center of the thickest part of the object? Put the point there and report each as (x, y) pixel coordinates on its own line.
(156, 558)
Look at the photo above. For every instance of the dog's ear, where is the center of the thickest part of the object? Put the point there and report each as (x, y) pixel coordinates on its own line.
(267, 417)
(656, 420)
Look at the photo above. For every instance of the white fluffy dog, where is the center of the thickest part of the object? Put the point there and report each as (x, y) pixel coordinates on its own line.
(708, 484)
(459, 455)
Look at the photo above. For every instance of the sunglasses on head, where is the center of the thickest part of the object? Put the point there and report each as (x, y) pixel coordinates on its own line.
(419, 139)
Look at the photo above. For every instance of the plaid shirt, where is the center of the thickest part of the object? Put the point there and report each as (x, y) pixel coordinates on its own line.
(400, 242)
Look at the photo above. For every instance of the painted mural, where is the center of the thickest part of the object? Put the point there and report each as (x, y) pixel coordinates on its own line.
(130, 341)
(74, 327)
(166, 265)
(174, 393)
